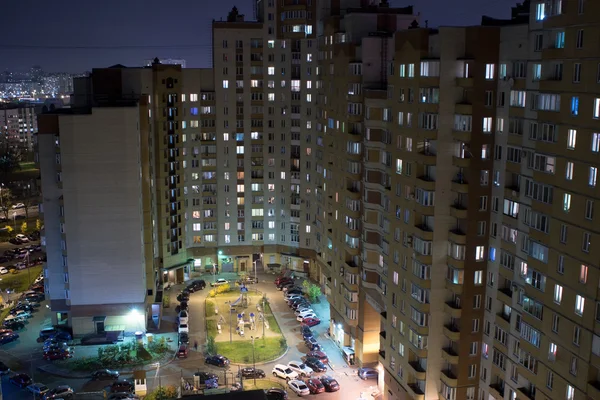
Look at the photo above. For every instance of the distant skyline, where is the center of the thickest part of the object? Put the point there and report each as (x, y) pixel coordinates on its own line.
(76, 36)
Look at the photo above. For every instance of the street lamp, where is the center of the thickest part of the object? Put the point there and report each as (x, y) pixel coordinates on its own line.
(253, 360)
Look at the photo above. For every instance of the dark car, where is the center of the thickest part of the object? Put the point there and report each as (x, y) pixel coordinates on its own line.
(183, 297)
(105, 375)
(47, 333)
(305, 329)
(368, 373)
(331, 385)
(276, 394)
(35, 298)
(14, 325)
(58, 354)
(8, 337)
(205, 376)
(197, 285)
(4, 369)
(62, 336)
(21, 307)
(183, 351)
(122, 385)
(251, 372)
(311, 342)
(314, 385)
(319, 355)
(315, 364)
(63, 392)
(183, 306)
(184, 338)
(217, 360)
(282, 279)
(21, 380)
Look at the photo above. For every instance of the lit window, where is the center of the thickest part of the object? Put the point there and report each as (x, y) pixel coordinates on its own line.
(479, 253)
(271, 70)
(574, 106)
(225, 84)
(558, 292)
(571, 139)
(592, 176)
(569, 171)
(596, 108)
(489, 71)
(579, 305)
(540, 11)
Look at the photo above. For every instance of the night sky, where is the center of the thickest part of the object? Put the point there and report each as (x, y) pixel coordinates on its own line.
(77, 35)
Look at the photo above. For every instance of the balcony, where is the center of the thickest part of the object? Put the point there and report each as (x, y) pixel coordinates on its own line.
(459, 211)
(424, 232)
(382, 354)
(450, 355)
(464, 82)
(452, 332)
(460, 186)
(526, 392)
(456, 288)
(426, 157)
(457, 236)
(417, 370)
(382, 334)
(426, 182)
(415, 392)
(462, 162)
(497, 390)
(504, 316)
(452, 309)
(449, 378)
(463, 107)
(461, 136)
(593, 389)
(505, 295)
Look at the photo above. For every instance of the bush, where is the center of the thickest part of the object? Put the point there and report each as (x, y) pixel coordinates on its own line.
(166, 300)
(282, 343)
(162, 393)
(210, 308)
(223, 288)
(158, 346)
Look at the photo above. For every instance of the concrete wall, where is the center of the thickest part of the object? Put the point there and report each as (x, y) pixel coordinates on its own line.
(100, 155)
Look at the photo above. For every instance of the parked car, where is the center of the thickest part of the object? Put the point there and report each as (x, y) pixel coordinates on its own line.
(247, 280)
(308, 315)
(122, 396)
(18, 206)
(38, 389)
(183, 351)
(47, 333)
(58, 354)
(21, 380)
(183, 317)
(122, 385)
(54, 346)
(282, 279)
(196, 285)
(315, 364)
(183, 328)
(285, 372)
(276, 394)
(311, 343)
(63, 392)
(63, 335)
(311, 321)
(307, 334)
(183, 297)
(217, 360)
(319, 355)
(8, 337)
(288, 297)
(298, 387)
(21, 307)
(300, 368)
(14, 325)
(285, 285)
(22, 238)
(219, 282)
(331, 385)
(182, 306)
(105, 374)
(368, 373)
(314, 385)
(35, 297)
(3, 271)
(4, 369)
(250, 372)
(206, 376)
(184, 338)
(303, 310)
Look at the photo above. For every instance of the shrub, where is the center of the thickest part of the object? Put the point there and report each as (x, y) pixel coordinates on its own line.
(162, 393)
(211, 345)
(166, 300)
(282, 342)
(223, 288)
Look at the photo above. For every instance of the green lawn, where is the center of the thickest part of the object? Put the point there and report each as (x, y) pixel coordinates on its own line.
(211, 328)
(210, 308)
(4, 313)
(27, 166)
(21, 281)
(273, 325)
(240, 351)
(261, 384)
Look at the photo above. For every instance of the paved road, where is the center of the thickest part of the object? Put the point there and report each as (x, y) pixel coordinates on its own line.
(27, 349)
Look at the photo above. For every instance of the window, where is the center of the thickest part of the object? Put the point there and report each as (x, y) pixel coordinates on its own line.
(558, 292)
(559, 42)
(569, 171)
(589, 209)
(540, 11)
(595, 142)
(517, 98)
(566, 202)
(587, 242)
(579, 305)
(593, 174)
(579, 41)
(479, 253)
(577, 75)
(489, 71)
(571, 139)
(574, 106)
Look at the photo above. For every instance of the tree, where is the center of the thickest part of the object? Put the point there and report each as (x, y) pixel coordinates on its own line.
(24, 228)
(211, 345)
(9, 230)
(6, 201)
(29, 200)
(311, 290)
(10, 159)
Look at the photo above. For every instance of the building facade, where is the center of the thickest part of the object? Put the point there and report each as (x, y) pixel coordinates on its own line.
(18, 125)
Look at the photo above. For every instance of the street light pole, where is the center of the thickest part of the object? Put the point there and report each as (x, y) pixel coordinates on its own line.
(253, 360)
(264, 315)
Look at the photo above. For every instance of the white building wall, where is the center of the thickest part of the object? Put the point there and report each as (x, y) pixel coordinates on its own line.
(100, 155)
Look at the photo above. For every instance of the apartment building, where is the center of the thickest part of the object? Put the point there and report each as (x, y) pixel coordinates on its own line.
(18, 125)
(541, 329)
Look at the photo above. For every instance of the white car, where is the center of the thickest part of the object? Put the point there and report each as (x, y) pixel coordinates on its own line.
(183, 317)
(220, 282)
(3, 271)
(299, 387)
(18, 205)
(304, 310)
(38, 389)
(300, 368)
(287, 297)
(22, 314)
(22, 238)
(285, 372)
(183, 328)
(302, 317)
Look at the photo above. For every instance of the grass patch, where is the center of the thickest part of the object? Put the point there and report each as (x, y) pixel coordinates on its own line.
(20, 281)
(262, 384)
(4, 313)
(210, 308)
(27, 166)
(240, 351)
(273, 325)
(211, 328)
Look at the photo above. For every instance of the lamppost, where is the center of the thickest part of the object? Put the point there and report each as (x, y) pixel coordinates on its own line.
(253, 359)
(264, 315)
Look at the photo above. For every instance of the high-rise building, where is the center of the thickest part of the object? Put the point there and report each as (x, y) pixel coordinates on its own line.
(18, 125)
(429, 180)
